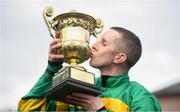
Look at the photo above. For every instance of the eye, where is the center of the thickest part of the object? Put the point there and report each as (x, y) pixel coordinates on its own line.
(104, 43)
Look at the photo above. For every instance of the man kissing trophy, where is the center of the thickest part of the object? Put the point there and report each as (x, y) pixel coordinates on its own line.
(75, 29)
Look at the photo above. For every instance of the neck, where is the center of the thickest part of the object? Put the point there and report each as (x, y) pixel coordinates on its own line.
(113, 71)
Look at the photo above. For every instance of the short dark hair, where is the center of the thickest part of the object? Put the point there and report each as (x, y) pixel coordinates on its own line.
(132, 45)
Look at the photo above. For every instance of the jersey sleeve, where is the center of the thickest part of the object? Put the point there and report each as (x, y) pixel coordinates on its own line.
(34, 100)
(143, 100)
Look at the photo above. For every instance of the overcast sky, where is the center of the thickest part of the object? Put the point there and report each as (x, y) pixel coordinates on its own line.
(24, 40)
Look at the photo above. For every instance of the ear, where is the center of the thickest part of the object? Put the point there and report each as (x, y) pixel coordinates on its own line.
(120, 58)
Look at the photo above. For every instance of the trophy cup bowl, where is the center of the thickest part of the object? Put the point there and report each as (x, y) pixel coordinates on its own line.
(75, 29)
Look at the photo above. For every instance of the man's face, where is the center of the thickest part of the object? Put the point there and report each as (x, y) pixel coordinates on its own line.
(104, 50)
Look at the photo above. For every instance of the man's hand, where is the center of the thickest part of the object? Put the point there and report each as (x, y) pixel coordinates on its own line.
(54, 45)
(88, 102)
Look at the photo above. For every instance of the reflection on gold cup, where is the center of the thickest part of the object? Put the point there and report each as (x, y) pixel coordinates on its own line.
(75, 29)
(75, 44)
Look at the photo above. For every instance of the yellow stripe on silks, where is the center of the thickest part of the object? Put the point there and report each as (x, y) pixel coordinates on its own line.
(61, 106)
(31, 104)
(43, 108)
(115, 105)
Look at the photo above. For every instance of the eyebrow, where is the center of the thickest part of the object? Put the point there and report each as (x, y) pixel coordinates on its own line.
(104, 40)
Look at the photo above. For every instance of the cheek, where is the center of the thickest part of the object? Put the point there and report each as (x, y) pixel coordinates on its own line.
(108, 54)
(105, 58)
(108, 57)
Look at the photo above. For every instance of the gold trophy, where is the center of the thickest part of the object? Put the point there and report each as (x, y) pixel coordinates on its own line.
(75, 29)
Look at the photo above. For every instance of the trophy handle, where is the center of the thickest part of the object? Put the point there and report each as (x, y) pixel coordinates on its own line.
(48, 12)
(99, 27)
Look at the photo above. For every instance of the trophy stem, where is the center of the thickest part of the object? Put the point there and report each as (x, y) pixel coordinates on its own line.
(73, 61)
(75, 65)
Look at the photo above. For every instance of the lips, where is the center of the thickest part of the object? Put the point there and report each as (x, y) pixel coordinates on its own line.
(91, 54)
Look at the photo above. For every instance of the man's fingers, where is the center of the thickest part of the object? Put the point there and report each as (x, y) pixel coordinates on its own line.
(88, 102)
(75, 98)
(55, 46)
(82, 104)
(55, 41)
(57, 35)
(77, 101)
(56, 57)
(81, 95)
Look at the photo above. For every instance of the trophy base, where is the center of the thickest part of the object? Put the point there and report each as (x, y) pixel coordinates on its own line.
(69, 80)
(69, 86)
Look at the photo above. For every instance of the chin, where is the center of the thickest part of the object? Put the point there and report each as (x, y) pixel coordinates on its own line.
(91, 63)
(94, 65)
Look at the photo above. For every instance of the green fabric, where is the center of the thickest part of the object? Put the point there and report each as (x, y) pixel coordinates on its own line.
(130, 92)
(119, 87)
(44, 83)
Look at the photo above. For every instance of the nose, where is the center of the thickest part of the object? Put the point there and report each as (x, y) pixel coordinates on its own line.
(94, 47)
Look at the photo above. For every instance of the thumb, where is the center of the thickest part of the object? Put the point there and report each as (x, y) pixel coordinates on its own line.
(57, 35)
